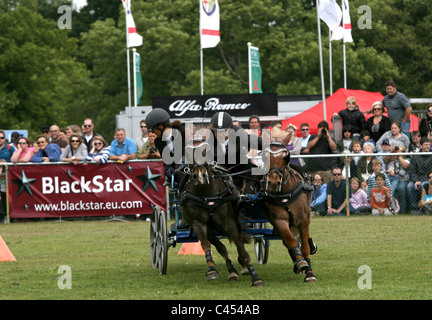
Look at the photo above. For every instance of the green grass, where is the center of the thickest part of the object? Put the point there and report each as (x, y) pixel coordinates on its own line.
(111, 260)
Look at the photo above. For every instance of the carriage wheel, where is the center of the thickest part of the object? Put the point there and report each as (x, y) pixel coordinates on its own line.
(159, 240)
(261, 245)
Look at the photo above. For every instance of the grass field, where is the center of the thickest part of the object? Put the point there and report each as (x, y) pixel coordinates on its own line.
(111, 260)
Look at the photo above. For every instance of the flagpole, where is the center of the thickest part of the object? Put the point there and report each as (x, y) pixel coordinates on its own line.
(330, 62)
(321, 63)
(249, 67)
(135, 88)
(202, 71)
(128, 60)
(344, 62)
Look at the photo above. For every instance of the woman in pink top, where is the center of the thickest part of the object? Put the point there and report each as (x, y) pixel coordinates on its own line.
(24, 152)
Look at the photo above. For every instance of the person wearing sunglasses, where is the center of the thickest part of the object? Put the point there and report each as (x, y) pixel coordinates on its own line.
(6, 150)
(143, 138)
(379, 123)
(76, 151)
(48, 152)
(336, 194)
(99, 152)
(425, 126)
(88, 133)
(24, 151)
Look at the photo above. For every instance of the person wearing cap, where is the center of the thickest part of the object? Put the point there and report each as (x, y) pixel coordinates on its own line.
(231, 146)
(45, 130)
(395, 137)
(170, 141)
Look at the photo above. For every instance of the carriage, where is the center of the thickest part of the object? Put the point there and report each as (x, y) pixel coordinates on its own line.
(163, 236)
(286, 193)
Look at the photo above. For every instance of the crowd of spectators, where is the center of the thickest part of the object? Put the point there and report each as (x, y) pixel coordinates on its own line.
(372, 181)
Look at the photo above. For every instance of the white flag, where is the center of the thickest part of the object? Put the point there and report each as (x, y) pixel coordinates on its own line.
(133, 38)
(346, 22)
(330, 12)
(209, 23)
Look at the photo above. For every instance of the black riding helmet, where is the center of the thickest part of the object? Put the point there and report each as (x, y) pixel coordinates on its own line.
(221, 120)
(157, 116)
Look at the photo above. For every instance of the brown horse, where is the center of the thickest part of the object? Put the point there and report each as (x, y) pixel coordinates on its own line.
(287, 197)
(209, 205)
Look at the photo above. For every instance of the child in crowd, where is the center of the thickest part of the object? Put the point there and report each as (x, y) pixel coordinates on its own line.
(380, 197)
(425, 203)
(353, 117)
(357, 148)
(319, 196)
(347, 140)
(415, 143)
(371, 183)
(365, 137)
(358, 202)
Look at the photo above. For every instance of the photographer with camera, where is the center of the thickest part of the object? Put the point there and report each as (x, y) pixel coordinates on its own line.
(321, 143)
(149, 149)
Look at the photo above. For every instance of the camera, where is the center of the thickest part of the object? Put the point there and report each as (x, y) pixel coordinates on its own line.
(152, 150)
(396, 149)
(324, 131)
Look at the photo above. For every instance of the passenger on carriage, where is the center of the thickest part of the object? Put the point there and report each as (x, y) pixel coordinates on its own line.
(231, 146)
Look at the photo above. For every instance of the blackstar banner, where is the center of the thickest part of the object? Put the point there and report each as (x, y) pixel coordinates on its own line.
(237, 105)
(41, 191)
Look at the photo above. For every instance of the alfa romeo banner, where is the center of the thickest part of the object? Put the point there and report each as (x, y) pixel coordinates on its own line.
(41, 191)
(237, 105)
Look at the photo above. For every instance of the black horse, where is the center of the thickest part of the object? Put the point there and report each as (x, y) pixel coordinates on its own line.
(209, 204)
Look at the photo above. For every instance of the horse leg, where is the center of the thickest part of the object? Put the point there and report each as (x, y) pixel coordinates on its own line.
(306, 250)
(234, 234)
(201, 232)
(282, 226)
(220, 247)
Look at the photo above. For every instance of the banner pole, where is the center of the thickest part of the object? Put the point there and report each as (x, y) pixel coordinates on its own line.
(202, 71)
(134, 76)
(321, 64)
(128, 60)
(249, 66)
(330, 62)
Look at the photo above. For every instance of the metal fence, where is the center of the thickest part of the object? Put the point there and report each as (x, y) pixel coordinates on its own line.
(406, 178)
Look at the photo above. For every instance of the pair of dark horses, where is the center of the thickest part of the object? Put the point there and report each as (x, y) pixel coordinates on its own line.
(210, 206)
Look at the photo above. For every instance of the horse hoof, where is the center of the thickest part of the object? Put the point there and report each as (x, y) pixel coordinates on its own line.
(300, 266)
(233, 277)
(245, 272)
(258, 283)
(310, 277)
(212, 275)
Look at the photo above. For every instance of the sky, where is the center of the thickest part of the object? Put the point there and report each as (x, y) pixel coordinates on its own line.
(79, 3)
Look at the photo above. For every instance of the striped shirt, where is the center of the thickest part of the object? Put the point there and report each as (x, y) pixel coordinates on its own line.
(396, 106)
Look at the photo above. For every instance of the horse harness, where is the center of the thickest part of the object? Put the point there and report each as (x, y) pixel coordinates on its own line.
(278, 198)
(214, 201)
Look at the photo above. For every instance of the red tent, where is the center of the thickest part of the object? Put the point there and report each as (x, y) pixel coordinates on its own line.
(334, 104)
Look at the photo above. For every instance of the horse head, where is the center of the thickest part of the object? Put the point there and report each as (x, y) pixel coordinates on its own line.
(196, 156)
(279, 158)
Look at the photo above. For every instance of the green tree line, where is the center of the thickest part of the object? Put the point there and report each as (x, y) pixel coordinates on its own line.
(52, 75)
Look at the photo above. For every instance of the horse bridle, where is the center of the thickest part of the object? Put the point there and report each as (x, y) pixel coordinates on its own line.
(279, 171)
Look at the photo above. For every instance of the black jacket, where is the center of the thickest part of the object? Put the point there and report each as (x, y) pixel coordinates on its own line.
(354, 118)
